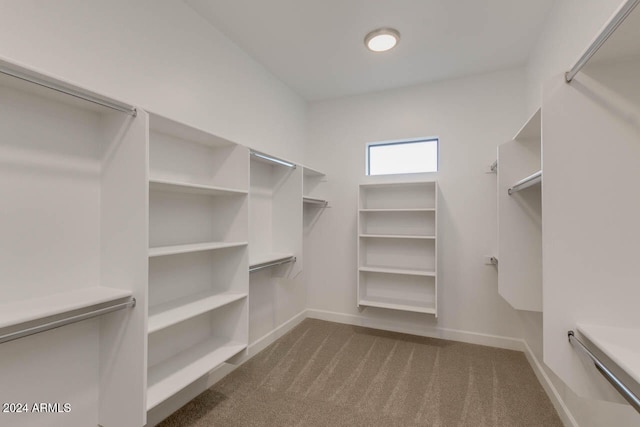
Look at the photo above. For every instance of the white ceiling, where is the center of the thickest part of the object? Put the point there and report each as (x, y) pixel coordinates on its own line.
(317, 49)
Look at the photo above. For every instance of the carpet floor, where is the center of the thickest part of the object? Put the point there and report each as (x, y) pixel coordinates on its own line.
(330, 374)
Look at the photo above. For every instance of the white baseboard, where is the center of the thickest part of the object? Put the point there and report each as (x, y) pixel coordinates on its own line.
(549, 388)
(442, 333)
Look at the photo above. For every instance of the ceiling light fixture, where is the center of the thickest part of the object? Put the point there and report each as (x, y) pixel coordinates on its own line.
(382, 39)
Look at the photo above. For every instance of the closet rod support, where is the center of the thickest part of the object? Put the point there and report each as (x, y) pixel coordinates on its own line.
(615, 22)
(65, 321)
(76, 93)
(613, 380)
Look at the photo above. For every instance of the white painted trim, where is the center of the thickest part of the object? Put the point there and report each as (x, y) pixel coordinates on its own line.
(442, 333)
(547, 385)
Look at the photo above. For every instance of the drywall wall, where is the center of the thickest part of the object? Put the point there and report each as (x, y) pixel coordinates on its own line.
(471, 116)
(570, 28)
(161, 56)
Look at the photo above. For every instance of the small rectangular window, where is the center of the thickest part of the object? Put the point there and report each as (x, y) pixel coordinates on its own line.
(415, 156)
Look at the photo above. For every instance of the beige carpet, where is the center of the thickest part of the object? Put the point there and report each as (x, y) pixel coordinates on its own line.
(329, 374)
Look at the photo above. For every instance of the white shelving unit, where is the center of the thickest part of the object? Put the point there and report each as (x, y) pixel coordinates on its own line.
(520, 217)
(590, 282)
(73, 234)
(314, 197)
(198, 255)
(397, 246)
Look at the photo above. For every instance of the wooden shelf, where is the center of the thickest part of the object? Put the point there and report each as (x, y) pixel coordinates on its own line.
(185, 187)
(621, 345)
(397, 236)
(172, 375)
(196, 247)
(391, 270)
(15, 313)
(170, 313)
(400, 210)
(397, 304)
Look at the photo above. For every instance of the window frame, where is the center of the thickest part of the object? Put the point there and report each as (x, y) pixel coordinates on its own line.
(401, 142)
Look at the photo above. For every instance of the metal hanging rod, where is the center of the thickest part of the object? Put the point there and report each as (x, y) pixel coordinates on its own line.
(313, 201)
(77, 93)
(273, 159)
(615, 382)
(273, 263)
(615, 22)
(526, 182)
(66, 321)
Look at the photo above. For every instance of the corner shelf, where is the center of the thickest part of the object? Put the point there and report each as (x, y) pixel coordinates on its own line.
(194, 247)
(173, 312)
(172, 375)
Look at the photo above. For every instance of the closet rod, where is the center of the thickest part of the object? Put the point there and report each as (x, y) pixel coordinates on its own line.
(273, 263)
(526, 182)
(615, 382)
(615, 22)
(273, 159)
(66, 321)
(313, 201)
(77, 93)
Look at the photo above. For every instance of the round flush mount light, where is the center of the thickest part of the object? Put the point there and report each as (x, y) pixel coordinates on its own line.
(382, 39)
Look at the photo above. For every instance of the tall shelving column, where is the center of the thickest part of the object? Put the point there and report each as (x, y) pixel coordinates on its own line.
(275, 241)
(591, 157)
(198, 255)
(520, 217)
(397, 246)
(73, 231)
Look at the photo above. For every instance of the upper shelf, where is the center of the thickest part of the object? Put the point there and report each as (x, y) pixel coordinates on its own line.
(621, 345)
(532, 129)
(185, 187)
(16, 313)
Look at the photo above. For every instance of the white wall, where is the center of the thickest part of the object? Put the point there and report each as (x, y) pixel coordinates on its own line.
(471, 116)
(571, 26)
(161, 56)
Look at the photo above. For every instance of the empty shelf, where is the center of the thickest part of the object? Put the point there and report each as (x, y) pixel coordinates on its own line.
(621, 345)
(168, 314)
(196, 247)
(397, 304)
(392, 270)
(18, 312)
(170, 376)
(397, 236)
(400, 210)
(185, 187)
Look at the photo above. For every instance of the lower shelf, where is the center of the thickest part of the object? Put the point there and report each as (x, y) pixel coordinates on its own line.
(167, 378)
(621, 345)
(396, 304)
